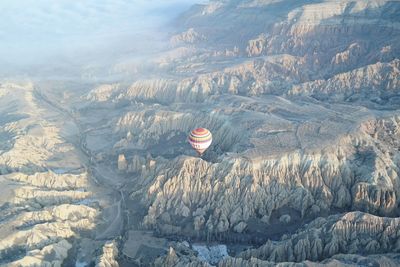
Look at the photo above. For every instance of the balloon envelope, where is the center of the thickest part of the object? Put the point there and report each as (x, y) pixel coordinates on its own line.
(200, 139)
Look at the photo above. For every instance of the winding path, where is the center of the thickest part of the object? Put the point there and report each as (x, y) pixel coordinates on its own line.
(117, 225)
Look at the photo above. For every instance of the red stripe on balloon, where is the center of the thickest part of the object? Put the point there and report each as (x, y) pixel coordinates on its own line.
(199, 142)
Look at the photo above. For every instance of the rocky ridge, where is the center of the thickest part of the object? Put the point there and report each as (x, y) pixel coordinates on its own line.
(47, 201)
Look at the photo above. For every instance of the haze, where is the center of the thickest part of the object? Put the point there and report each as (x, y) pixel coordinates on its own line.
(43, 32)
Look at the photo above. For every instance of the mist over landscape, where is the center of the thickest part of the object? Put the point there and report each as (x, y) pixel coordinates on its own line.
(71, 34)
(200, 133)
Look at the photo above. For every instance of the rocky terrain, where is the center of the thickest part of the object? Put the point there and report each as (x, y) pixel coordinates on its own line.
(303, 101)
(46, 196)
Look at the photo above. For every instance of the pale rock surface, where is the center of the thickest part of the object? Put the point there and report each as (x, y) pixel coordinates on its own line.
(57, 253)
(108, 256)
(102, 93)
(45, 181)
(301, 181)
(189, 37)
(122, 163)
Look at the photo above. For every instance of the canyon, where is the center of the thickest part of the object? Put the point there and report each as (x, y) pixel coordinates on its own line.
(303, 101)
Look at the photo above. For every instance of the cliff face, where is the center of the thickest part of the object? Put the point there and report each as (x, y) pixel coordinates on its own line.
(335, 240)
(302, 100)
(225, 196)
(279, 75)
(292, 93)
(379, 82)
(353, 233)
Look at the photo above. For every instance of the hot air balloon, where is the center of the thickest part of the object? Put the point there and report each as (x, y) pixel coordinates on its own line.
(200, 139)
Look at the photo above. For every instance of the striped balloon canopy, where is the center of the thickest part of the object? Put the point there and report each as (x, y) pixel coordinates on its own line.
(200, 139)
